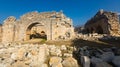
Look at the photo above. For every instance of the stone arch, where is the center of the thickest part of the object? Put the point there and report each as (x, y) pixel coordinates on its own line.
(36, 30)
(92, 30)
(87, 30)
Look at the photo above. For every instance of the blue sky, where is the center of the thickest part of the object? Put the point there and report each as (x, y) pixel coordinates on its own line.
(78, 10)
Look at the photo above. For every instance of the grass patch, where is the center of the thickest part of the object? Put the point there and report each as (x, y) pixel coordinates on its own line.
(34, 41)
(76, 42)
(59, 43)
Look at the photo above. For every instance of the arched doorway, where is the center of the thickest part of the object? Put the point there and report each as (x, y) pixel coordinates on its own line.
(99, 30)
(36, 31)
(87, 30)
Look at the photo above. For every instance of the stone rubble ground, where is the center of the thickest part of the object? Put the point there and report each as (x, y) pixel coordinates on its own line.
(35, 55)
(95, 57)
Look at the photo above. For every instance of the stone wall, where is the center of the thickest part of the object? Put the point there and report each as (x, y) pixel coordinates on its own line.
(104, 23)
(8, 29)
(54, 25)
(0, 32)
(119, 17)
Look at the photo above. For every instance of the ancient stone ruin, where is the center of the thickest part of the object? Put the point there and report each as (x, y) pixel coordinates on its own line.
(104, 22)
(46, 25)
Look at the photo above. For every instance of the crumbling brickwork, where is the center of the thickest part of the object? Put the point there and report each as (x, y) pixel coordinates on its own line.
(0, 32)
(48, 25)
(104, 23)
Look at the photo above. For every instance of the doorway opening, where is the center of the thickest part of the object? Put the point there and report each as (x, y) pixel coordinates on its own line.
(36, 31)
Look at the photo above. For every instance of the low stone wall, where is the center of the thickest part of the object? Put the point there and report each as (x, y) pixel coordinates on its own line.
(96, 36)
(89, 36)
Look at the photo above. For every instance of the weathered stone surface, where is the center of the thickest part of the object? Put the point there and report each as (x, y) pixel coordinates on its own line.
(34, 55)
(19, 55)
(104, 23)
(116, 61)
(97, 57)
(34, 52)
(57, 65)
(40, 58)
(44, 65)
(27, 62)
(0, 32)
(19, 64)
(46, 25)
(117, 52)
(107, 56)
(55, 61)
(54, 51)
(63, 48)
(70, 62)
(97, 62)
(2, 65)
(85, 61)
(67, 55)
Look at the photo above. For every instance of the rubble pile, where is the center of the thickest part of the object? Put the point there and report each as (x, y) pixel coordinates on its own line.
(95, 57)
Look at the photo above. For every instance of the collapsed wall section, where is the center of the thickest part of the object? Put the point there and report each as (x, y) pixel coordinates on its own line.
(104, 22)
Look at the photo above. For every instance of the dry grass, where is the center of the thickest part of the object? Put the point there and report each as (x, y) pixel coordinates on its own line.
(34, 41)
(59, 42)
(77, 43)
(100, 44)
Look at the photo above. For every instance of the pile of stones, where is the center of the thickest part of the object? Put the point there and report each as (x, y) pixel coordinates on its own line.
(36, 55)
(95, 57)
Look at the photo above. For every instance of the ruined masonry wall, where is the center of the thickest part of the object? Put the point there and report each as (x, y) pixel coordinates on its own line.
(55, 25)
(104, 23)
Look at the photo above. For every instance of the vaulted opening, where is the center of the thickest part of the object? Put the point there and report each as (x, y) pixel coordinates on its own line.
(36, 31)
(92, 30)
(99, 30)
(87, 30)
